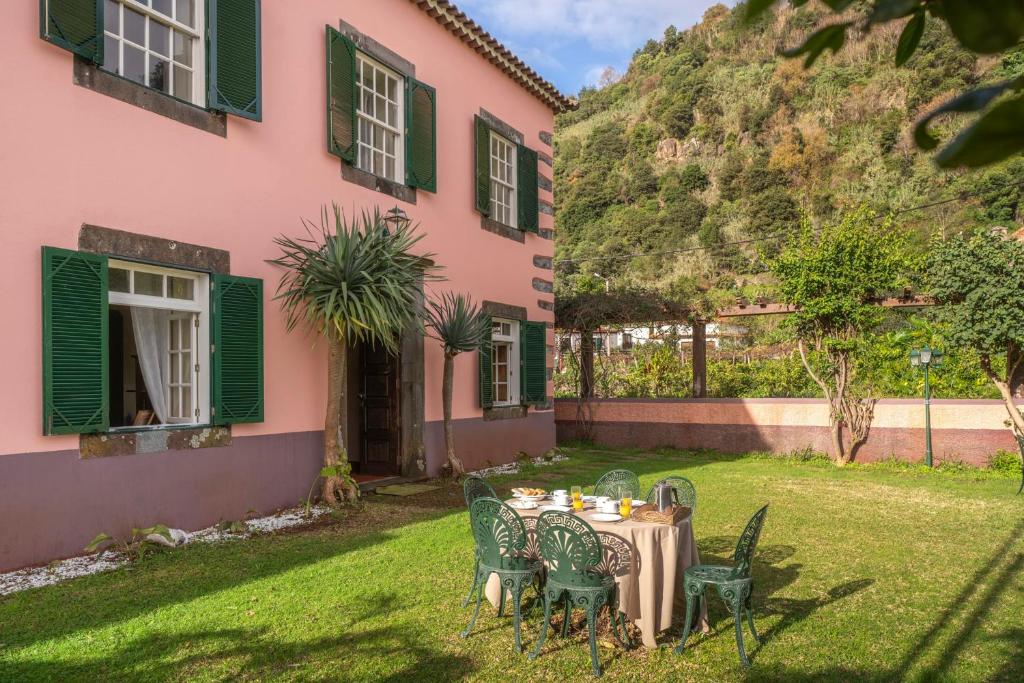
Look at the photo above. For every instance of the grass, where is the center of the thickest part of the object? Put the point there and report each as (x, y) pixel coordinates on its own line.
(864, 573)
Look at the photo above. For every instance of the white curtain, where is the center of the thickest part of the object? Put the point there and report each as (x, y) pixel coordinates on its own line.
(152, 344)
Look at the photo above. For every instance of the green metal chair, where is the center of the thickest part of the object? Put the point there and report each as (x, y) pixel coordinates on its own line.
(734, 585)
(572, 551)
(685, 493)
(501, 541)
(474, 488)
(617, 484)
(1020, 444)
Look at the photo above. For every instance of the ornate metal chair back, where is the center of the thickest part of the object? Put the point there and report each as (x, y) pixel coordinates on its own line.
(745, 546)
(497, 529)
(617, 484)
(475, 487)
(570, 547)
(685, 493)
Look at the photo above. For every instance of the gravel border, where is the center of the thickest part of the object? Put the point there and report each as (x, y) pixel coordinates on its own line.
(107, 560)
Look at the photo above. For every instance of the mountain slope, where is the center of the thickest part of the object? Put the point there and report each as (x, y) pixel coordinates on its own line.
(712, 138)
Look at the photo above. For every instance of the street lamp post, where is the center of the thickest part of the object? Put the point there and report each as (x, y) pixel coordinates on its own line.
(396, 219)
(925, 359)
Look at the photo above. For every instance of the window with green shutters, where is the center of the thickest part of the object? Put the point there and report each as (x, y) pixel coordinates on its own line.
(378, 120)
(75, 339)
(116, 331)
(237, 386)
(173, 47)
(341, 96)
(491, 177)
(236, 75)
(513, 364)
(529, 211)
(421, 147)
(534, 373)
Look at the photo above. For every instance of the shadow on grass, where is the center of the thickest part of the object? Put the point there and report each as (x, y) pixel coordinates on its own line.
(192, 572)
(253, 654)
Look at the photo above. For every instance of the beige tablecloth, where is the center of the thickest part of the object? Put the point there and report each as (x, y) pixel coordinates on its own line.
(648, 561)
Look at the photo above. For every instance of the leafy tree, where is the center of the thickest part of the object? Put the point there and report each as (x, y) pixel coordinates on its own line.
(978, 282)
(833, 278)
(642, 182)
(986, 27)
(682, 219)
(353, 283)
(459, 325)
(729, 175)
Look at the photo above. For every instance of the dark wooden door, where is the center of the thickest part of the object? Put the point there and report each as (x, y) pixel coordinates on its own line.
(381, 426)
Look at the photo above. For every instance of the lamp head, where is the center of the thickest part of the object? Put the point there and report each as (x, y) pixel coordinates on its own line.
(926, 356)
(396, 219)
(915, 358)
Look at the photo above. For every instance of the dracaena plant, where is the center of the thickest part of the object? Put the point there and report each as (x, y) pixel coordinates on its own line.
(985, 27)
(456, 322)
(352, 281)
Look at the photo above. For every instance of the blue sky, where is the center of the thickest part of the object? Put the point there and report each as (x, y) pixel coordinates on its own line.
(570, 42)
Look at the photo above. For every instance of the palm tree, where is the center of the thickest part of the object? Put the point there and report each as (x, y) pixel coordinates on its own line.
(460, 326)
(355, 283)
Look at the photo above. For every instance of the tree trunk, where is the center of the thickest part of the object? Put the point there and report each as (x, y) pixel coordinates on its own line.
(586, 364)
(838, 453)
(338, 486)
(458, 469)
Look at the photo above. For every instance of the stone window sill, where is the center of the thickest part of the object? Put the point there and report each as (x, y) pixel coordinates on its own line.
(502, 230)
(88, 75)
(504, 413)
(377, 184)
(136, 441)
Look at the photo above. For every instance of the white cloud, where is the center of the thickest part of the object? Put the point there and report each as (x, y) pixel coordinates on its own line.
(613, 24)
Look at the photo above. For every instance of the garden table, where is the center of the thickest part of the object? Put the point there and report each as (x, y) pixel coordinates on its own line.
(647, 561)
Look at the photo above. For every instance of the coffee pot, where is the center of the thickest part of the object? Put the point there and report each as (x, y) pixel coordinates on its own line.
(664, 496)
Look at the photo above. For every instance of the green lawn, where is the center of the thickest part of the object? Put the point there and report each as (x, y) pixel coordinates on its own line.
(864, 573)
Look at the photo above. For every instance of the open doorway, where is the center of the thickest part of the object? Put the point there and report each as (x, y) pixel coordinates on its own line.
(375, 431)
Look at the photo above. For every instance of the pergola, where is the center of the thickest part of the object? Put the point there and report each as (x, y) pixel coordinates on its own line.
(587, 312)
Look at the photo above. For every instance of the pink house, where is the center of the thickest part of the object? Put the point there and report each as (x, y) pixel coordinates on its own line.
(152, 151)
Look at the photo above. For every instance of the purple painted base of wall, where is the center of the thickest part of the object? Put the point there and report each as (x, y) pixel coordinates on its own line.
(483, 443)
(53, 504)
(973, 446)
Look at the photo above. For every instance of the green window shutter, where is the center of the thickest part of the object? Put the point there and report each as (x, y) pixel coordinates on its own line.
(341, 96)
(533, 362)
(421, 146)
(486, 372)
(76, 398)
(75, 25)
(235, 52)
(483, 167)
(237, 354)
(529, 210)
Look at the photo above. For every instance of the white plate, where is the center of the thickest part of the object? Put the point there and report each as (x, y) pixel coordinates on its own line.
(589, 499)
(524, 504)
(606, 517)
(529, 499)
(556, 508)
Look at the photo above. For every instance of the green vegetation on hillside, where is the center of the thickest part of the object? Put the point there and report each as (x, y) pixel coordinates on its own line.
(711, 138)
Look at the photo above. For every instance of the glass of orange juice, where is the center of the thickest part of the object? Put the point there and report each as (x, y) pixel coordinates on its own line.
(626, 507)
(577, 498)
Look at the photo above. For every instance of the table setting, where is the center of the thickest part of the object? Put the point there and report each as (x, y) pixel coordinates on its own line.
(647, 548)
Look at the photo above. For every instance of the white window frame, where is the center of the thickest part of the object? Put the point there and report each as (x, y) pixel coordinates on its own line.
(198, 306)
(511, 183)
(197, 33)
(512, 341)
(362, 61)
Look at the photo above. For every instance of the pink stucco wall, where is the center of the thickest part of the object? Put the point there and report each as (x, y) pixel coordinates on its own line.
(73, 156)
(962, 430)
